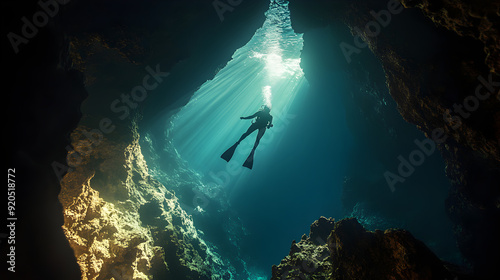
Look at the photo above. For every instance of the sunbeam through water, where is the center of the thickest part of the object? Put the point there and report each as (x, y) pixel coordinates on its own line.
(266, 71)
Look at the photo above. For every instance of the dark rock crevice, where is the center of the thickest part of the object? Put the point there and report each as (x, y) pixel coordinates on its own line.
(434, 59)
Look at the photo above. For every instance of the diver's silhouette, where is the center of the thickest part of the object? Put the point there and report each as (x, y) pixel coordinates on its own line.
(263, 120)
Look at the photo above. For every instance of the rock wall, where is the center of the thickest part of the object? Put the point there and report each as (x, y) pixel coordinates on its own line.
(445, 82)
(390, 254)
(123, 224)
(43, 108)
(345, 250)
(106, 185)
(478, 20)
(63, 81)
(310, 257)
(120, 222)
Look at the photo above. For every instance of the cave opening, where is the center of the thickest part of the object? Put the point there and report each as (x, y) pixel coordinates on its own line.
(99, 210)
(336, 132)
(252, 214)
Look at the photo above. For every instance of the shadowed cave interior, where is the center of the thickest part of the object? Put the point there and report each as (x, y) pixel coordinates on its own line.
(144, 193)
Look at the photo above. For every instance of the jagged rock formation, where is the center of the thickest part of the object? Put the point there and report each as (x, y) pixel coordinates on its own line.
(449, 92)
(113, 210)
(351, 252)
(123, 224)
(310, 257)
(120, 222)
(390, 254)
(119, 43)
(467, 18)
(473, 154)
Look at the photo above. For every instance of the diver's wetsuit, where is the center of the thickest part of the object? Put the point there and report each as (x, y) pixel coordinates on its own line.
(264, 120)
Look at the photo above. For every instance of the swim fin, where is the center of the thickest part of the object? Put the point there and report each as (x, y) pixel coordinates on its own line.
(249, 162)
(228, 154)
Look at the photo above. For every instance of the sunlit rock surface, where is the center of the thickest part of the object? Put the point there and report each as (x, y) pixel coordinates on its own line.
(123, 224)
(120, 222)
(310, 257)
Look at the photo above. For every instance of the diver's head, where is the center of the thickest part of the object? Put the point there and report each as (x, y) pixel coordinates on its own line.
(266, 108)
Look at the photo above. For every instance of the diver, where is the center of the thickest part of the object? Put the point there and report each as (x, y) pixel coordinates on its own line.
(263, 121)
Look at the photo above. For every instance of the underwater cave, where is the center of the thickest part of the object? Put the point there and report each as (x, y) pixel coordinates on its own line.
(385, 119)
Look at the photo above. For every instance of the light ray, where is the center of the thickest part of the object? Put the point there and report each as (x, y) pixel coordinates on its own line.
(265, 71)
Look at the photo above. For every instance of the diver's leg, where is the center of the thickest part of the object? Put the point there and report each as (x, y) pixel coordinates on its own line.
(251, 129)
(228, 154)
(262, 130)
(249, 162)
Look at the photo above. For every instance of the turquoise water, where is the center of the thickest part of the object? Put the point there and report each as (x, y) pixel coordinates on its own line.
(266, 71)
(323, 133)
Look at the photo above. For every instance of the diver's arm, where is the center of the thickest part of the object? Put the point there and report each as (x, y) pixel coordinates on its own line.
(249, 117)
(270, 123)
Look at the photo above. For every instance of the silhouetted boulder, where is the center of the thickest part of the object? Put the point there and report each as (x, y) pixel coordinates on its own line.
(352, 252)
(391, 254)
